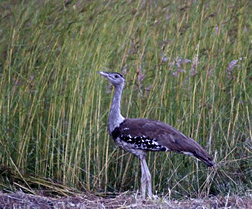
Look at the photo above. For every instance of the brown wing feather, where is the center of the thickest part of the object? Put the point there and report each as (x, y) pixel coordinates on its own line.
(166, 136)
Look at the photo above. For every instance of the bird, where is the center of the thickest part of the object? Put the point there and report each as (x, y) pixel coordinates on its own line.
(140, 135)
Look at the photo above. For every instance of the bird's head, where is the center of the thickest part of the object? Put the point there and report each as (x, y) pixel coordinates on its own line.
(115, 78)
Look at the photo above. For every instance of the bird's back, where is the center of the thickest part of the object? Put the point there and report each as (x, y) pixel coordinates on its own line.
(150, 135)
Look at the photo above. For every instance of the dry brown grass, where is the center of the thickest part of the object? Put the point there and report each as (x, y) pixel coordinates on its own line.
(124, 200)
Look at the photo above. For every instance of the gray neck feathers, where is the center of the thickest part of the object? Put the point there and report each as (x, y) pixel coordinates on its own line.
(115, 117)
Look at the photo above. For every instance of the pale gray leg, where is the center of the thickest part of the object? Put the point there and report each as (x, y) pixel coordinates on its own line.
(146, 179)
(143, 179)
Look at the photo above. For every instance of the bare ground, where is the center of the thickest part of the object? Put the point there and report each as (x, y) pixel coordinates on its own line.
(22, 200)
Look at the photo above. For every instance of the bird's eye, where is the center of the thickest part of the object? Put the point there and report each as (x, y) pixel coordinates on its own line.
(116, 76)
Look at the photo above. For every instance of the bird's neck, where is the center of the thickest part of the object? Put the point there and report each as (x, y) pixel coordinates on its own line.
(115, 117)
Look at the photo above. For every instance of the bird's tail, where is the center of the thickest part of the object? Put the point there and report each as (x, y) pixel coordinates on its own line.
(201, 154)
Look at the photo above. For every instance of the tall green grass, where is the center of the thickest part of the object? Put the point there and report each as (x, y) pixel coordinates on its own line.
(195, 59)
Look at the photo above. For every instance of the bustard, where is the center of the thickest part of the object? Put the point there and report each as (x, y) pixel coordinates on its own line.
(139, 136)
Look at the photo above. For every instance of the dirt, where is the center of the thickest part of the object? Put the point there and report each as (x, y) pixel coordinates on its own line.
(22, 200)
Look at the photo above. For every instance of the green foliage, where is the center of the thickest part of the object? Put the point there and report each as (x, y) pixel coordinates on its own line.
(185, 64)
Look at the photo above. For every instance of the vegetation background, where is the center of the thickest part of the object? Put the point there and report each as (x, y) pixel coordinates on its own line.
(187, 63)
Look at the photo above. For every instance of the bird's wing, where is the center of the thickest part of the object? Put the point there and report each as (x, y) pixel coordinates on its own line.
(166, 136)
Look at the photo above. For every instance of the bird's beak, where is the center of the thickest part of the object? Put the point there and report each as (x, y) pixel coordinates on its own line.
(103, 74)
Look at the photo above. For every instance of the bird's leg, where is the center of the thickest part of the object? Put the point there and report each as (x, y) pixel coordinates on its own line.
(146, 178)
(143, 178)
